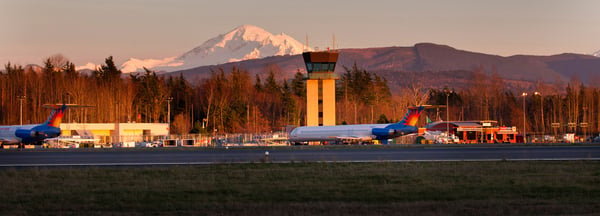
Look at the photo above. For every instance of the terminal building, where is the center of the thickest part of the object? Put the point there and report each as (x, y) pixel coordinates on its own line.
(476, 131)
(115, 133)
(320, 87)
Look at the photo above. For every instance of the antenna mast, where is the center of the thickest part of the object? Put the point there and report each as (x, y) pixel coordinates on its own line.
(333, 41)
(307, 47)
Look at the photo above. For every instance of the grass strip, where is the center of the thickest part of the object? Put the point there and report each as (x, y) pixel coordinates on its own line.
(446, 188)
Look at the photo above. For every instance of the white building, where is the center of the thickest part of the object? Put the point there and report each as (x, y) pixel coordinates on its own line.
(114, 133)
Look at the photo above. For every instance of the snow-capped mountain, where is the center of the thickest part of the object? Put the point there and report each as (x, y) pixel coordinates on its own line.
(597, 53)
(242, 43)
(33, 67)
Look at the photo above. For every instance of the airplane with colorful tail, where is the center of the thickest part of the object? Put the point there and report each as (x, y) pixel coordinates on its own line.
(358, 132)
(35, 133)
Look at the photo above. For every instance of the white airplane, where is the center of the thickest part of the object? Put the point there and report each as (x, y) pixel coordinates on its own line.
(34, 133)
(359, 132)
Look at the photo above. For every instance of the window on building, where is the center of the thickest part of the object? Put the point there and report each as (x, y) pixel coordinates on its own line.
(317, 67)
(309, 67)
(471, 135)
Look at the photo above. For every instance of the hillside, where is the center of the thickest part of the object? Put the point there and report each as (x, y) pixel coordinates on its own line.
(432, 64)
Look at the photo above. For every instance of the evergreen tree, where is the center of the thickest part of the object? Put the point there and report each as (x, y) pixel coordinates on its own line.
(298, 86)
(108, 73)
(258, 84)
(290, 105)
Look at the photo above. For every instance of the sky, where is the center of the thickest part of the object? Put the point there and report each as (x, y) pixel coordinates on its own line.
(89, 30)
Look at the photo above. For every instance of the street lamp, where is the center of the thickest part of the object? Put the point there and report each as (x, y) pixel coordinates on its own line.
(21, 98)
(68, 95)
(448, 92)
(169, 99)
(524, 119)
(584, 124)
(542, 110)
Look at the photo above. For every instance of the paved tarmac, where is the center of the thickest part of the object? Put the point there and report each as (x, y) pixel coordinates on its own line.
(146, 157)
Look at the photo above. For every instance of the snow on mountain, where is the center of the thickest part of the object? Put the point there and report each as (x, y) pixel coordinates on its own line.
(88, 66)
(33, 67)
(242, 43)
(134, 64)
(597, 53)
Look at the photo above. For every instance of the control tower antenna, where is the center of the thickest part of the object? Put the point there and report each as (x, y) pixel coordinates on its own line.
(333, 42)
(307, 47)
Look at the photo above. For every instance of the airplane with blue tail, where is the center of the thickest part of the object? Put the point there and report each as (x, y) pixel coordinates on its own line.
(35, 133)
(358, 132)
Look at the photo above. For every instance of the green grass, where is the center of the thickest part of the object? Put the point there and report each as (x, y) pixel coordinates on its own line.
(450, 188)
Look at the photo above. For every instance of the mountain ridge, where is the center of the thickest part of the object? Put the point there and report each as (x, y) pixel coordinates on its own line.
(428, 59)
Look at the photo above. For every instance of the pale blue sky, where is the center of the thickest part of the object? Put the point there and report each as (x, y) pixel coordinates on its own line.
(89, 31)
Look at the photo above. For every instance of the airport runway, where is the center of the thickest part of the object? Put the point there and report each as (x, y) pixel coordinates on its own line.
(121, 157)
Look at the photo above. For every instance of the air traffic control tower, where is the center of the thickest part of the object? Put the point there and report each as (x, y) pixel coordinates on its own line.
(320, 88)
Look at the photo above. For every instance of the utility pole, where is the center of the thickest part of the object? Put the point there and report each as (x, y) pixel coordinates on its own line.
(169, 99)
(448, 92)
(21, 98)
(542, 110)
(524, 119)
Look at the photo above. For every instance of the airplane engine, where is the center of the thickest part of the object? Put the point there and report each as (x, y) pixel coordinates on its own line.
(24, 133)
(40, 134)
(407, 130)
(383, 132)
(49, 133)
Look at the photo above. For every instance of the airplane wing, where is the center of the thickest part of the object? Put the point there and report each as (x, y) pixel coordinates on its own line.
(354, 138)
(8, 141)
(56, 106)
(66, 139)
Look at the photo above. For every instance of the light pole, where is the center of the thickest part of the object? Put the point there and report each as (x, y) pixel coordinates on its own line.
(584, 124)
(21, 98)
(68, 95)
(542, 110)
(448, 92)
(169, 99)
(524, 119)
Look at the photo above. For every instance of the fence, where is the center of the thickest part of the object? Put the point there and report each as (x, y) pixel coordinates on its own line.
(187, 140)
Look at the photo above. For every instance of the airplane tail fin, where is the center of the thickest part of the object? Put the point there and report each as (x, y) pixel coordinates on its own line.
(412, 116)
(56, 115)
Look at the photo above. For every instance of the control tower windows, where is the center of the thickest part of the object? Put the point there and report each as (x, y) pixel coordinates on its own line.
(320, 67)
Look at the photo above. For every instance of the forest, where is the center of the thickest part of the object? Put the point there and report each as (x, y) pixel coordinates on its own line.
(235, 102)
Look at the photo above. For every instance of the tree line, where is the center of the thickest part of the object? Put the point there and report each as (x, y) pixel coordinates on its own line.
(235, 102)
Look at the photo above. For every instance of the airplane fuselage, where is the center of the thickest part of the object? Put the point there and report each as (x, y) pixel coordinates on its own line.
(318, 133)
(361, 132)
(27, 133)
(34, 133)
